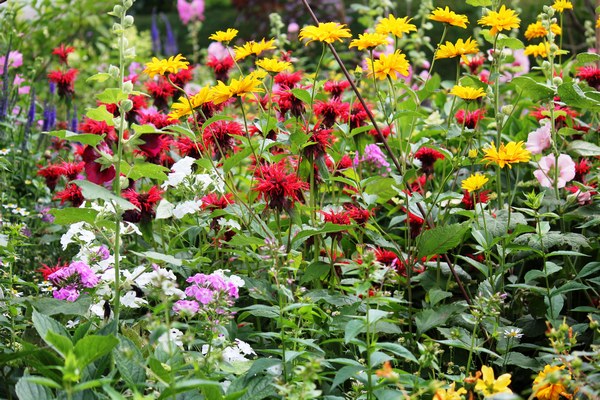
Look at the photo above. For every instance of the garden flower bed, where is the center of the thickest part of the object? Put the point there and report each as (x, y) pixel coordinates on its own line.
(318, 213)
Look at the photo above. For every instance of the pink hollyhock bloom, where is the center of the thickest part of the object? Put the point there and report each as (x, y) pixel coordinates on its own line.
(539, 140)
(293, 27)
(15, 59)
(547, 172)
(218, 51)
(190, 11)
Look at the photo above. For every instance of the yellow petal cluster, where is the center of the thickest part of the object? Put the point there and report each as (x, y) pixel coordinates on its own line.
(369, 40)
(547, 387)
(489, 386)
(389, 65)
(172, 65)
(252, 47)
(396, 26)
(449, 17)
(273, 64)
(327, 32)
(183, 107)
(537, 50)
(237, 87)
(449, 394)
(460, 48)
(512, 153)
(224, 36)
(562, 5)
(537, 30)
(474, 182)
(503, 19)
(467, 92)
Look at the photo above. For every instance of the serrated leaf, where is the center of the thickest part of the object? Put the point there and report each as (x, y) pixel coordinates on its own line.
(532, 89)
(551, 268)
(93, 347)
(571, 94)
(583, 148)
(91, 191)
(260, 310)
(100, 114)
(71, 215)
(112, 96)
(83, 138)
(430, 318)
(28, 390)
(440, 239)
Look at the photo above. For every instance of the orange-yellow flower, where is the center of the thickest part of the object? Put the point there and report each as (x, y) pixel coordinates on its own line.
(503, 19)
(449, 17)
(184, 107)
(550, 384)
(537, 30)
(237, 87)
(253, 47)
(537, 50)
(386, 371)
(273, 64)
(369, 40)
(512, 153)
(450, 50)
(396, 26)
(224, 36)
(488, 385)
(172, 65)
(562, 5)
(327, 32)
(467, 93)
(474, 182)
(449, 394)
(389, 65)
(598, 23)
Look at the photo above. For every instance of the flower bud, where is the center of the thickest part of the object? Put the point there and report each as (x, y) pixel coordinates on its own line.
(557, 80)
(128, 21)
(127, 87)
(126, 105)
(114, 71)
(117, 10)
(127, 3)
(507, 110)
(117, 28)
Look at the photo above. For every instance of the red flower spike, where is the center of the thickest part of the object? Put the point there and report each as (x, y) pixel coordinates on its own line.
(213, 201)
(428, 157)
(220, 136)
(48, 270)
(331, 111)
(71, 193)
(161, 91)
(357, 214)
(590, 74)
(481, 197)
(336, 88)
(277, 187)
(221, 67)
(63, 52)
(469, 118)
(51, 173)
(287, 80)
(144, 201)
(65, 81)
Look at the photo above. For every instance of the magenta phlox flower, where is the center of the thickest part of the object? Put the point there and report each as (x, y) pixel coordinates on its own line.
(69, 293)
(373, 155)
(551, 168)
(539, 140)
(190, 11)
(186, 306)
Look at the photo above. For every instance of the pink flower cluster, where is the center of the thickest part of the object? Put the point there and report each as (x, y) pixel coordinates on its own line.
(214, 291)
(190, 11)
(72, 279)
(374, 156)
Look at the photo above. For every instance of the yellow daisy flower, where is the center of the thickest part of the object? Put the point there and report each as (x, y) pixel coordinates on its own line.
(489, 385)
(503, 19)
(273, 64)
(474, 182)
(546, 386)
(461, 48)
(512, 153)
(237, 87)
(220, 93)
(449, 394)
(396, 26)
(184, 107)
(537, 50)
(389, 65)
(562, 5)
(258, 74)
(449, 17)
(224, 36)
(369, 40)
(172, 65)
(536, 30)
(327, 32)
(467, 93)
(253, 47)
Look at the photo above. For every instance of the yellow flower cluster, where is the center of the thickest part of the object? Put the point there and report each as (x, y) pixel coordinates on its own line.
(395, 26)
(503, 19)
(389, 65)
(449, 17)
(562, 5)
(537, 50)
(327, 32)
(183, 107)
(537, 30)
(449, 394)
(550, 383)
(273, 65)
(172, 65)
(512, 153)
(460, 48)
(253, 48)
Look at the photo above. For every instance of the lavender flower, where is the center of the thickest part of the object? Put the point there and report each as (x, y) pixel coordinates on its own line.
(170, 44)
(4, 98)
(155, 34)
(30, 119)
(190, 11)
(374, 156)
(216, 292)
(48, 117)
(74, 125)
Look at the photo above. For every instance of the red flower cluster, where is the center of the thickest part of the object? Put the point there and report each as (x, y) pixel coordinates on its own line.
(64, 81)
(279, 188)
(428, 157)
(54, 171)
(63, 52)
(144, 202)
(71, 193)
(469, 118)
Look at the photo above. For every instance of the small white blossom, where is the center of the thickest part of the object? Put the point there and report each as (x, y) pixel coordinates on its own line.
(180, 170)
(77, 232)
(229, 223)
(4, 152)
(244, 347)
(174, 336)
(187, 207)
(164, 209)
(513, 333)
(131, 300)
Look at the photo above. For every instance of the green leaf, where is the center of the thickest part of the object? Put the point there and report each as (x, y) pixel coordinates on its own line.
(93, 347)
(146, 130)
(148, 170)
(574, 96)
(353, 328)
(260, 365)
(101, 114)
(519, 359)
(510, 42)
(40, 380)
(91, 191)
(440, 239)
(436, 295)
(99, 77)
(153, 255)
(302, 95)
(50, 306)
(532, 89)
(590, 268)
(430, 318)
(310, 231)
(72, 215)
(396, 349)
(112, 96)
(61, 344)
(583, 148)
(83, 138)
(551, 268)
(44, 324)
(28, 390)
(236, 159)
(586, 58)
(554, 305)
(243, 241)
(315, 271)
(345, 373)
(479, 3)
(260, 310)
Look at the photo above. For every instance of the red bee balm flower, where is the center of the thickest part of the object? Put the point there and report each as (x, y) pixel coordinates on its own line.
(213, 201)
(65, 81)
(277, 187)
(144, 201)
(590, 74)
(220, 66)
(469, 118)
(71, 193)
(48, 270)
(51, 173)
(336, 88)
(220, 135)
(428, 157)
(161, 91)
(63, 52)
(331, 110)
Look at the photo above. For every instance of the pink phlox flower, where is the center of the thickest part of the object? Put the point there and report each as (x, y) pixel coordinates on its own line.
(190, 11)
(547, 172)
(15, 59)
(373, 155)
(539, 140)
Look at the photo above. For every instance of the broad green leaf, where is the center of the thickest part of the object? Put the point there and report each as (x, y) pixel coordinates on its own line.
(585, 58)
(346, 373)
(44, 324)
(436, 295)
(590, 268)
(91, 191)
(100, 114)
(93, 347)
(148, 170)
(60, 343)
(510, 42)
(146, 130)
(243, 240)
(51, 306)
(571, 94)
(260, 310)
(99, 77)
(42, 381)
(430, 318)
(396, 349)
(531, 89)
(153, 255)
(28, 390)
(302, 95)
(310, 231)
(316, 270)
(554, 305)
(71, 215)
(260, 365)
(583, 148)
(550, 269)
(112, 96)
(440, 239)
(519, 359)
(83, 138)
(353, 328)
